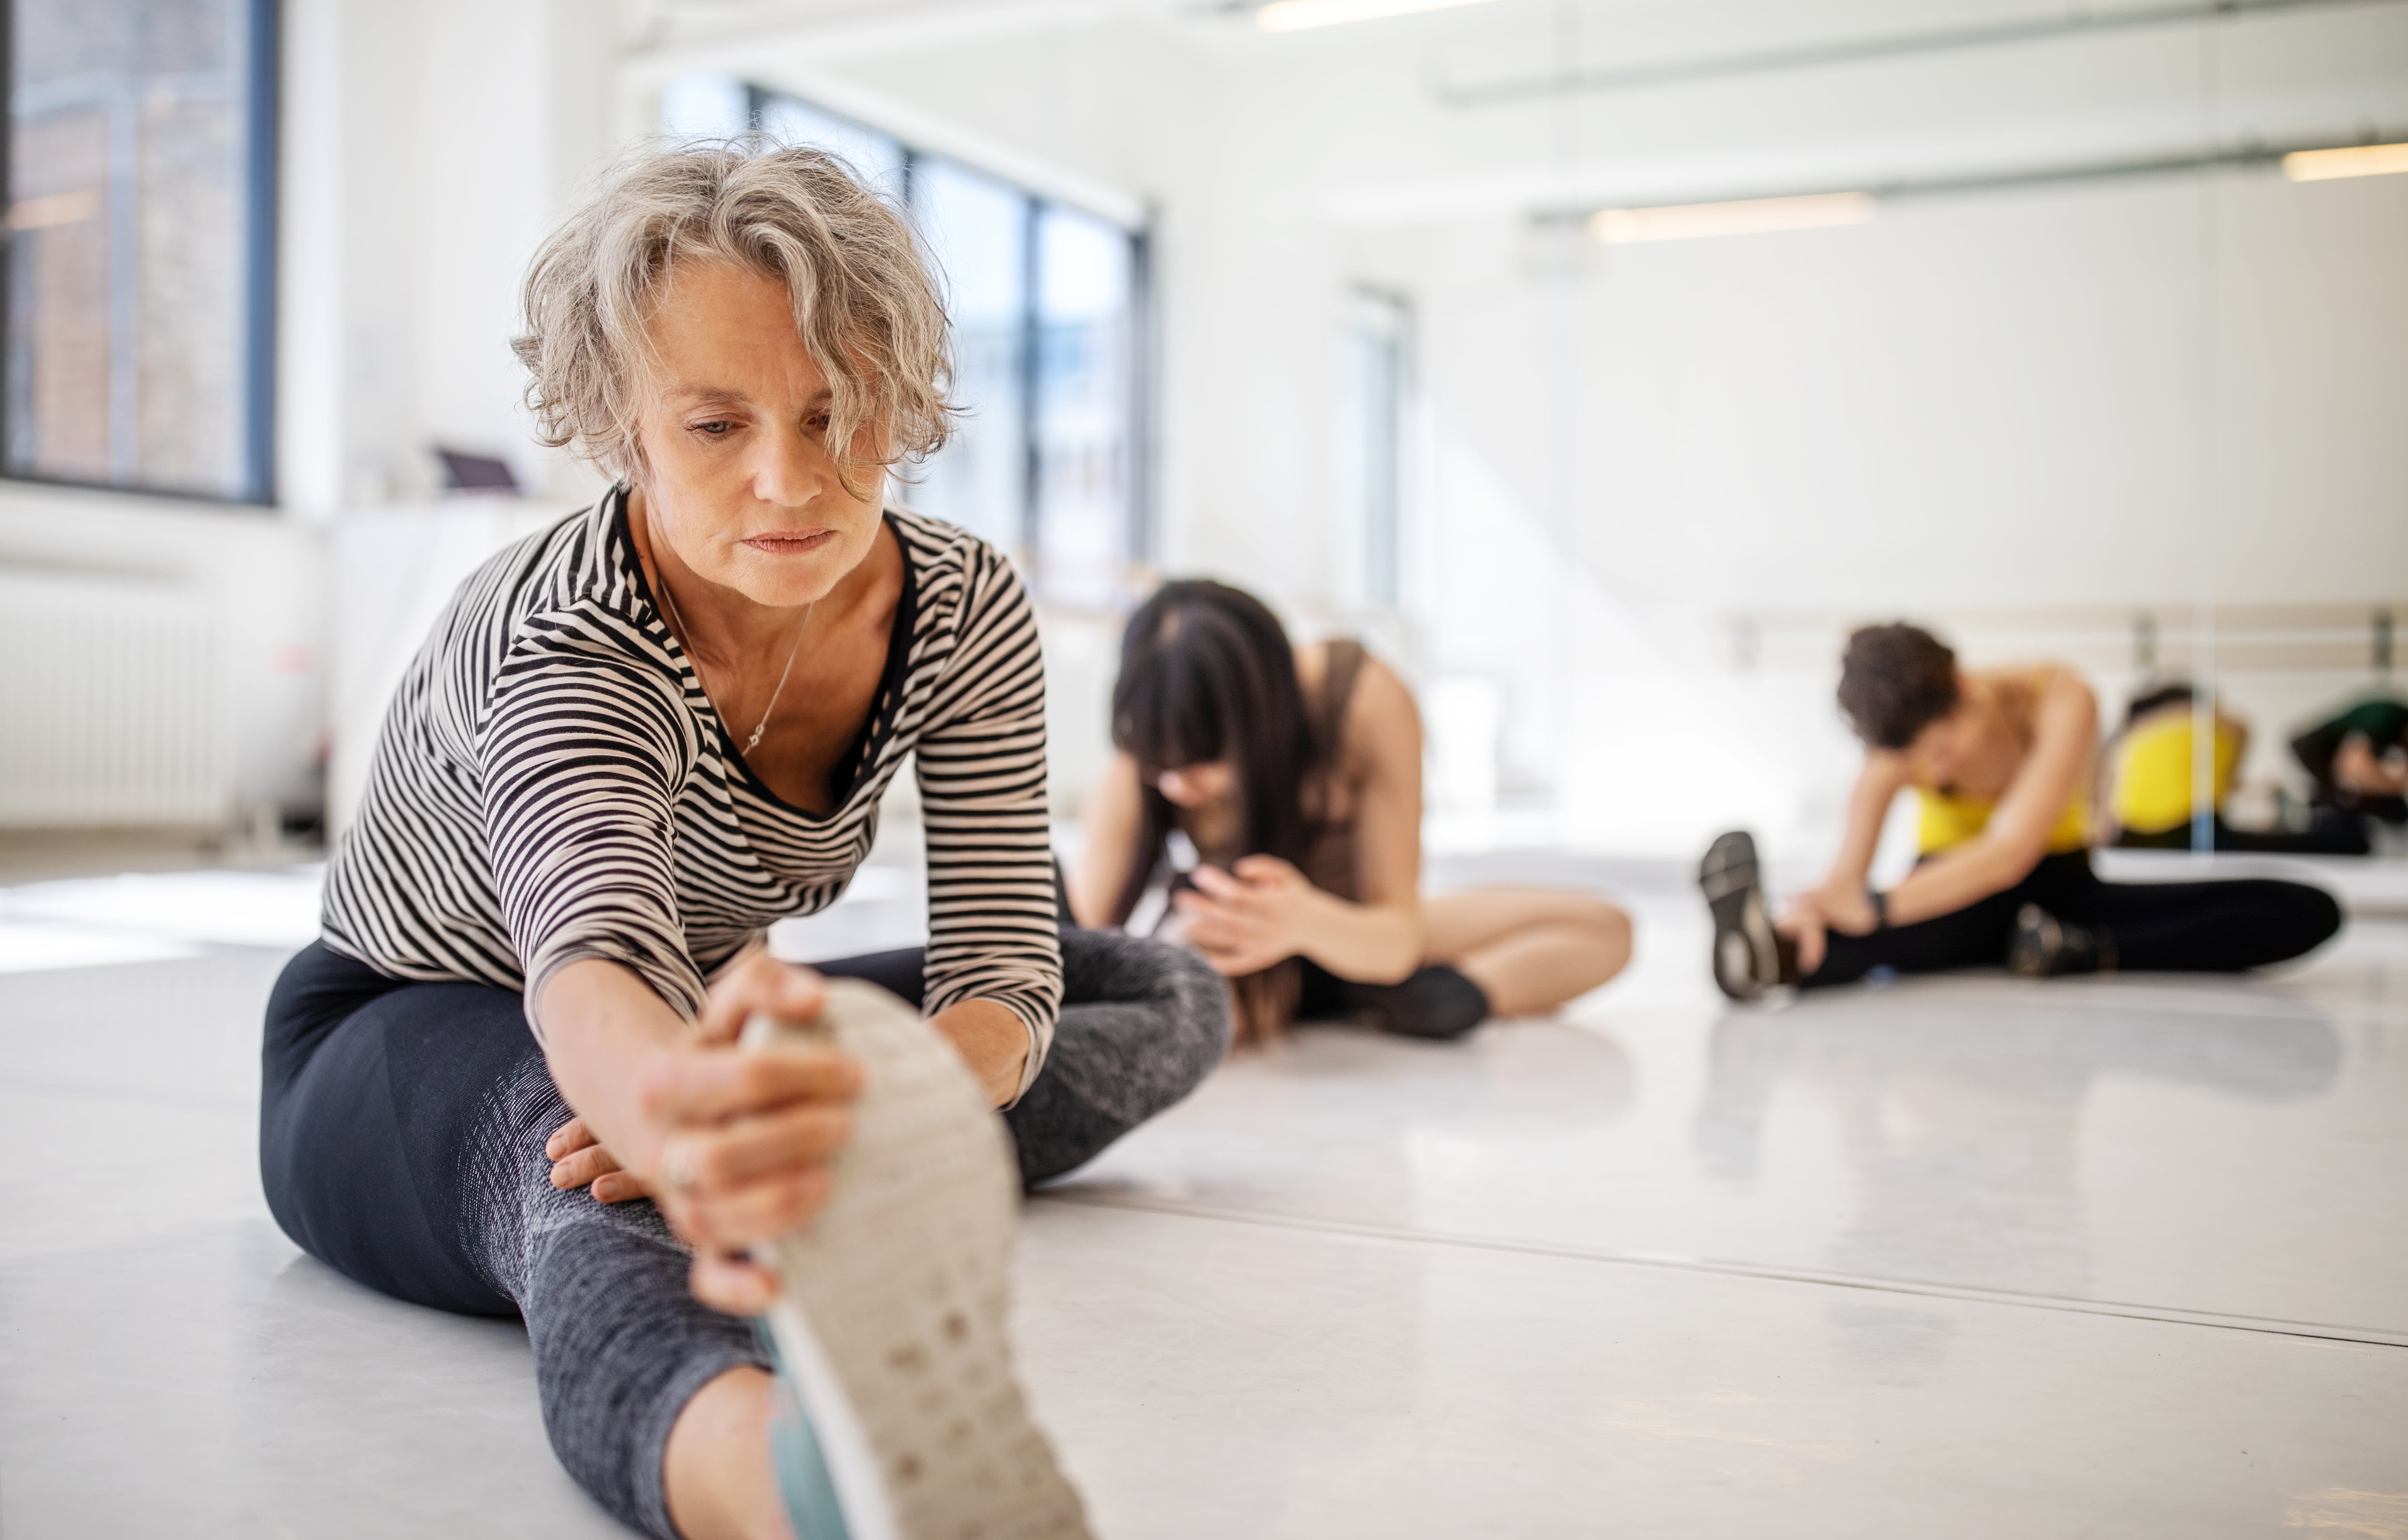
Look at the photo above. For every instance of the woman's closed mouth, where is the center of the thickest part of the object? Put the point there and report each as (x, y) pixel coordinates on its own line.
(790, 542)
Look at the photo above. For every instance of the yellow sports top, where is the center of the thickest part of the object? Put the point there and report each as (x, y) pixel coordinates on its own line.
(1949, 821)
(2153, 771)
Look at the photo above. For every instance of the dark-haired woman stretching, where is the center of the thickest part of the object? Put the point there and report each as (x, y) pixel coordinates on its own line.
(2003, 761)
(1296, 772)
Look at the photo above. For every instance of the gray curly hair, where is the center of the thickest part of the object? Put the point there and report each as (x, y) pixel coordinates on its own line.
(866, 304)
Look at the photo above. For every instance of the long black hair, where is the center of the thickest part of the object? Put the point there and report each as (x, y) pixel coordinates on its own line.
(1207, 673)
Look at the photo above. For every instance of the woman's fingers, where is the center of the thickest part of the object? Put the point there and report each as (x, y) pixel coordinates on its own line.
(733, 1284)
(1210, 923)
(706, 1085)
(571, 1137)
(1219, 884)
(618, 1186)
(754, 1213)
(758, 983)
(584, 1167)
(769, 1144)
(1264, 869)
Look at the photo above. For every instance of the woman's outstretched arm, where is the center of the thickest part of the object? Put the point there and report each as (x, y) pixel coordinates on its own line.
(732, 1145)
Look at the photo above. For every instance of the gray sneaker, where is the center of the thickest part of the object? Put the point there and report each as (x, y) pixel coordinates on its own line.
(907, 1422)
(1747, 953)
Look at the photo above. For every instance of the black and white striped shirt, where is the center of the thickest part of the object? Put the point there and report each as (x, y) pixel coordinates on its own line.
(552, 784)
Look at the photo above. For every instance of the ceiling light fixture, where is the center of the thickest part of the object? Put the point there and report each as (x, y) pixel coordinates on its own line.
(1752, 216)
(1298, 15)
(2363, 160)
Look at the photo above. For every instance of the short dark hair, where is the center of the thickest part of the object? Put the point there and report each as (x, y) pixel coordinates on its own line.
(1895, 680)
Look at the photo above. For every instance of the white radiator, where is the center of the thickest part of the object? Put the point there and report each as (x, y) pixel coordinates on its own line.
(110, 708)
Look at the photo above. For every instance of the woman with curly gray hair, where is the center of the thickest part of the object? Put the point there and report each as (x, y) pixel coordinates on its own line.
(632, 744)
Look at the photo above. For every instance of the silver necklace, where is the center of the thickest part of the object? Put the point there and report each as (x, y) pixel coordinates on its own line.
(771, 710)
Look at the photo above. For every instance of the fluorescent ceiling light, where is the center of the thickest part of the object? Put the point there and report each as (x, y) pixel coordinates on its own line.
(1298, 15)
(2365, 160)
(1684, 221)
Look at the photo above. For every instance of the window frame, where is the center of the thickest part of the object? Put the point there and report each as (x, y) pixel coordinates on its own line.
(258, 228)
(1140, 536)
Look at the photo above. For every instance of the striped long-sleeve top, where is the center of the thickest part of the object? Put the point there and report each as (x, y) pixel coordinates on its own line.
(552, 783)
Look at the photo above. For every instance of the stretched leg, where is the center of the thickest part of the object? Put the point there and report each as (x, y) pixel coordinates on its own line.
(2331, 834)
(402, 1145)
(1142, 1023)
(1530, 949)
(1975, 936)
(2224, 927)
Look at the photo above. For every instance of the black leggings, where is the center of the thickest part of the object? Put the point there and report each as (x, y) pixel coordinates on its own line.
(2334, 832)
(2202, 927)
(402, 1128)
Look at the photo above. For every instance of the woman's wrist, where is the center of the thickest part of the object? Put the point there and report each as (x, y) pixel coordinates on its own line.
(609, 1038)
(1357, 941)
(992, 1040)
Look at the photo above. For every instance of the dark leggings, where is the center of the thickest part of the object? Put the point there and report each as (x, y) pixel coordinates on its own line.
(2202, 927)
(402, 1128)
(2334, 832)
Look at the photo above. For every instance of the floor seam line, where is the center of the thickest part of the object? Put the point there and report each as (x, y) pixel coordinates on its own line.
(2261, 1326)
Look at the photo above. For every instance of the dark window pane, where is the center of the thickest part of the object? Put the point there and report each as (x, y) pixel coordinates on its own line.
(129, 244)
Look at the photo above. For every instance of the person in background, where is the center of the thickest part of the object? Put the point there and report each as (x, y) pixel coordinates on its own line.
(2359, 760)
(1295, 775)
(2001, 762)
(2152, 773)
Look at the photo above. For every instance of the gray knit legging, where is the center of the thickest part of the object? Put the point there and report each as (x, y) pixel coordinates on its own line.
(401, 1141)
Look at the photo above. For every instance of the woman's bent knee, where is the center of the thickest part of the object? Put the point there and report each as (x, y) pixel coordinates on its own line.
(1185, 1002)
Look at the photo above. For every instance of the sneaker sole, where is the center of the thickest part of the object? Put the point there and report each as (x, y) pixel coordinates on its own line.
(891, 1325)
(2032, 950)
(1747, 960)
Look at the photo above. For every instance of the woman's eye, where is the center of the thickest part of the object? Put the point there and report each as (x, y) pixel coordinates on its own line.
(717, 428)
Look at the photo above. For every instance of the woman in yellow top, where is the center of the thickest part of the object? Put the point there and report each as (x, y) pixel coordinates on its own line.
(2003, 761)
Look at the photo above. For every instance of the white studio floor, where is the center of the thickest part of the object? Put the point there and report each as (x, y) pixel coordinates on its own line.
(1961, 1257)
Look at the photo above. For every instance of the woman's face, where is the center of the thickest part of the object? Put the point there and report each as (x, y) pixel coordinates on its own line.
(1944, 750)
(1196, 786)
(738, 476)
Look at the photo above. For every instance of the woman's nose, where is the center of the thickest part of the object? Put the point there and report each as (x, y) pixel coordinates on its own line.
(787, 473)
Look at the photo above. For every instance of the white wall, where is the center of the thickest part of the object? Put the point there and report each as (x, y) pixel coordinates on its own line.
(1989, 399)
(1848, 419)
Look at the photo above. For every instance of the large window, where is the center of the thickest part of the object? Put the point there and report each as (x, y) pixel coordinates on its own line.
(1047, 301)
(1371, 447)
(140, 175)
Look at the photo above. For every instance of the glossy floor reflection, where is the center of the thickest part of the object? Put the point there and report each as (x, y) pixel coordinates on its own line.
(1961, 1257)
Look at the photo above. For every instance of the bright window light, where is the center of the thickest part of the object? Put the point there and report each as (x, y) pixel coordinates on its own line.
(1752, 216)
(2365, 160)
(1298, 15)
